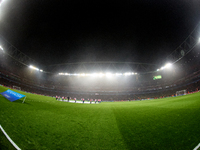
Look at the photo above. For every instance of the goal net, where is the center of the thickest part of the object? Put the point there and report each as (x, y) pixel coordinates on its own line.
(16, 87)
(182, 92)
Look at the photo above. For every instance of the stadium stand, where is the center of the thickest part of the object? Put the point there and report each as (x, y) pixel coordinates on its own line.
(186, 75)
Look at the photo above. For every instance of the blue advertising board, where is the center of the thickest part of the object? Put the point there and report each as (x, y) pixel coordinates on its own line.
(11, 95)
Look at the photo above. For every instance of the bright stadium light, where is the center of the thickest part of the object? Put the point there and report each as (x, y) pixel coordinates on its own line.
(32, 67)
(61, 73)
(118, 74)
(1, 47)
(127, 74)
(162, 68)
(1, 1)
(94, 75)
(82, 74)
(108, 74)
(168, 65)
(100, 74)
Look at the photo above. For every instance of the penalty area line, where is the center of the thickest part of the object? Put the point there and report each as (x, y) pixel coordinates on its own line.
(197, 147)
(11, 141)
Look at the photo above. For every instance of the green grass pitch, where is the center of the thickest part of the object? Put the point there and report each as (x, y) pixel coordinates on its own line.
(44, 123)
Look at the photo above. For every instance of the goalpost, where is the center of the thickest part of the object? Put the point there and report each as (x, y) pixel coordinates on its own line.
(16, 87)
(181, 92)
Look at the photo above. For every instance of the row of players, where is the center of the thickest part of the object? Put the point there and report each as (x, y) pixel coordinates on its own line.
(69, 98)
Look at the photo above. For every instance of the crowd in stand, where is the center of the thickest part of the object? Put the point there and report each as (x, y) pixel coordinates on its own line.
(191, 86)
(33, 82)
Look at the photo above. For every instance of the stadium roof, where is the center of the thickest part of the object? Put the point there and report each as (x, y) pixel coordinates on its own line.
(119, 31)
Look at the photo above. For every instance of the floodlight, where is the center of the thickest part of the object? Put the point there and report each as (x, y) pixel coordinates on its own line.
(199, 40)
(94, 74)
(41, 70)
(127, 74)
(158, 69)
(1, 47)
(32, 67)
(109, 74)
(100, 74)
(82, 74)
(119, 74)
(162, 68)
(1, 1)
(168, 65)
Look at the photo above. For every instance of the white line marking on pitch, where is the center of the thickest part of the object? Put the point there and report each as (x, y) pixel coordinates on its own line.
(11, 141)
(197, 147)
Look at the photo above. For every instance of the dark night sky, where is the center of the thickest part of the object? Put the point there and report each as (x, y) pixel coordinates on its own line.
(62, 31)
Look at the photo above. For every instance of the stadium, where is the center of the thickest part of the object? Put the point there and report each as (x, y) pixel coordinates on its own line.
(106, 104)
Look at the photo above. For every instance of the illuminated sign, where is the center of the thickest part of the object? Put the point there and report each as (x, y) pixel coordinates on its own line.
(157, 77)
